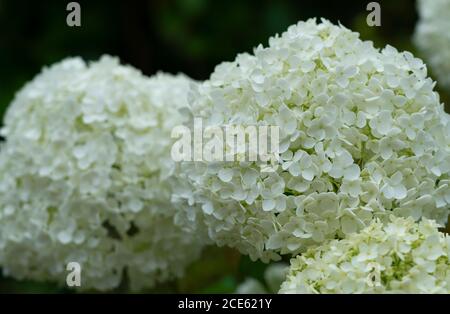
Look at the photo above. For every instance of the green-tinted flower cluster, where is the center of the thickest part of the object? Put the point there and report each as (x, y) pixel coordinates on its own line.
(398, 257)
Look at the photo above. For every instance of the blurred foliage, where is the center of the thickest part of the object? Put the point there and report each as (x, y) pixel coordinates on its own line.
(189, 36)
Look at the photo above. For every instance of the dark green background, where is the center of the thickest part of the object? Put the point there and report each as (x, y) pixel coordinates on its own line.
(189, 36)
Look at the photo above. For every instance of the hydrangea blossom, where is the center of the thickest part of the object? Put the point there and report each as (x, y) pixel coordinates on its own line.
(398, 257)
(433, 39)
(363, 135)
(87, 177)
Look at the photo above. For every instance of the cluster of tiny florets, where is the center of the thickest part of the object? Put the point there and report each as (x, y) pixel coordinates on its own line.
(363, 135)
(86, 177)
(433, 39)
(398, 257)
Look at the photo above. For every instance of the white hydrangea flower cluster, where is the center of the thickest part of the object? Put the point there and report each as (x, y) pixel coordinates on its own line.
(362, 136)
(433, 39)
(398, 257)
(87, 177)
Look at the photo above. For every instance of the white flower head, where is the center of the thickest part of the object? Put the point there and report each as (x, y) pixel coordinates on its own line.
(363, 135)
(432, 38)
(401, 256)
(87, 177)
